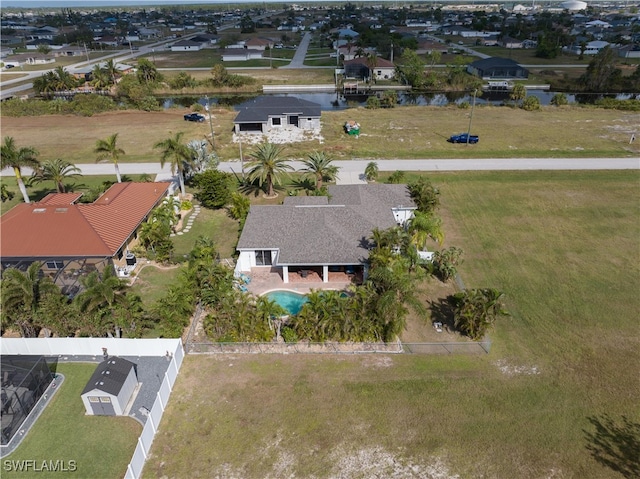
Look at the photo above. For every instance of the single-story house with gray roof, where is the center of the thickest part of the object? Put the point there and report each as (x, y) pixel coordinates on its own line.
(266, 113)
(321, 233)
(497, 68)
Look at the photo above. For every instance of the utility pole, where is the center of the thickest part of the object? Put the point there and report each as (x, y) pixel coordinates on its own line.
(473, 105)
(241, 157)
(210, 122)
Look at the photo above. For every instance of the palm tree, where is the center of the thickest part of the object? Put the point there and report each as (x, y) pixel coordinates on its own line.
(57, 171)
(102, 296)
(423, 226)
(267, 167)
(111, 68)
(318, 165)
(100, 79)
(17, 158)
(371, 171)
(108, 150)
(22, 297)
(179, 156)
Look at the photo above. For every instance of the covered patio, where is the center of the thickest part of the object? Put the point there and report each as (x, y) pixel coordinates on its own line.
(263, 280)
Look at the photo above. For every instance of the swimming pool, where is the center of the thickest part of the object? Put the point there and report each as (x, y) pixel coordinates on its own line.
(289, 300)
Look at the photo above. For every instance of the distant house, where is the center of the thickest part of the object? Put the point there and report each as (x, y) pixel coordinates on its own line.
(591, 48)
(321, 234)
(267, 113)
(110, 388)
(240, 54)
(629, 51)
(186, 46)
(72, 239)
(33, 58)
(258, 43)
(510, 42)
(35, 44)
(362, 69)
(70, 51)
(497, 68)
(427, 46)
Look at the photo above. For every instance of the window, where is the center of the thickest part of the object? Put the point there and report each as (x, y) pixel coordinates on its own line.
(276, 121)
(55, 264)
(263, 258)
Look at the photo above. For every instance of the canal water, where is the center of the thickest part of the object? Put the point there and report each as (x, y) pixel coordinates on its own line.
(329, 101)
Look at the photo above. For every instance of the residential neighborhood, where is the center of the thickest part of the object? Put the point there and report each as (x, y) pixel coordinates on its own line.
(319, 240)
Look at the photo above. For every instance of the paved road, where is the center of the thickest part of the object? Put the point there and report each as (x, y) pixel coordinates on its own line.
(353, 169)
(301, 52)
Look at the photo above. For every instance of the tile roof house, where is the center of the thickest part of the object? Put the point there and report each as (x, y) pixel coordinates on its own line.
(266, 113)
(321, 233)
(110, 387)
(71, 238)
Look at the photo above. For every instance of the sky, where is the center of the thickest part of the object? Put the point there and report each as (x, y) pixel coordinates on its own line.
(111, 3)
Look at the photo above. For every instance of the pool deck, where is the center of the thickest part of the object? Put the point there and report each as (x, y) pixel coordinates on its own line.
(263, 281)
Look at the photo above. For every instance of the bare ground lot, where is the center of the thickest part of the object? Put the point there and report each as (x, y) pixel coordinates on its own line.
(402, 132)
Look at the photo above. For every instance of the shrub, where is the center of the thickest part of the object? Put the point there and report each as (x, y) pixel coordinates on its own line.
(186, 205)
(289, 335)
(373, 103)
(531, 103)
(444, 263)
(396, 177)
(214, 188)
(559, 99)
(197, 107)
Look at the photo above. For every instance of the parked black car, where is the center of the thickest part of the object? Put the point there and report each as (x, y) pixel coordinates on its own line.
(194, 117)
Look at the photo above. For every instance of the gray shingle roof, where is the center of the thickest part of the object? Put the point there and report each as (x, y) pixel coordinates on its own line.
(109, 376)
(333, 233)
(261, 108)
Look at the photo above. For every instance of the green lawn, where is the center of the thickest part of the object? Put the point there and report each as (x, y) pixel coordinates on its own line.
(100, 446)
(564, 247)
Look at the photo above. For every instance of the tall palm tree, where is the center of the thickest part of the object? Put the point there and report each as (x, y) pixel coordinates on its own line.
(178, 154)
(111, 68)
(100, 79)
(57, 171)
(267, 167)
(17, 158)
(318, 165)
(22, 297)
(107, 149)
(66, 81)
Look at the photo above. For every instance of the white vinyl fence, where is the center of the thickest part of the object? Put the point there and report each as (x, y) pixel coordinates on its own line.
(93, 347)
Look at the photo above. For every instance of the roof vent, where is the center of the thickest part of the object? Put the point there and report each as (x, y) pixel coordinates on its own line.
(61, 210)
(39, 210)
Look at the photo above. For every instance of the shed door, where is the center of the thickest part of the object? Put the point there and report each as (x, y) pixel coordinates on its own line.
(101, 406)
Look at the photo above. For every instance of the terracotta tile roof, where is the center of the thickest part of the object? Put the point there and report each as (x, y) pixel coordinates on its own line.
(57, 228)
(60, 198)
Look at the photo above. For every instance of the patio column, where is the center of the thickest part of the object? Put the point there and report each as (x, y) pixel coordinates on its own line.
(325, 273)
(285, 274)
